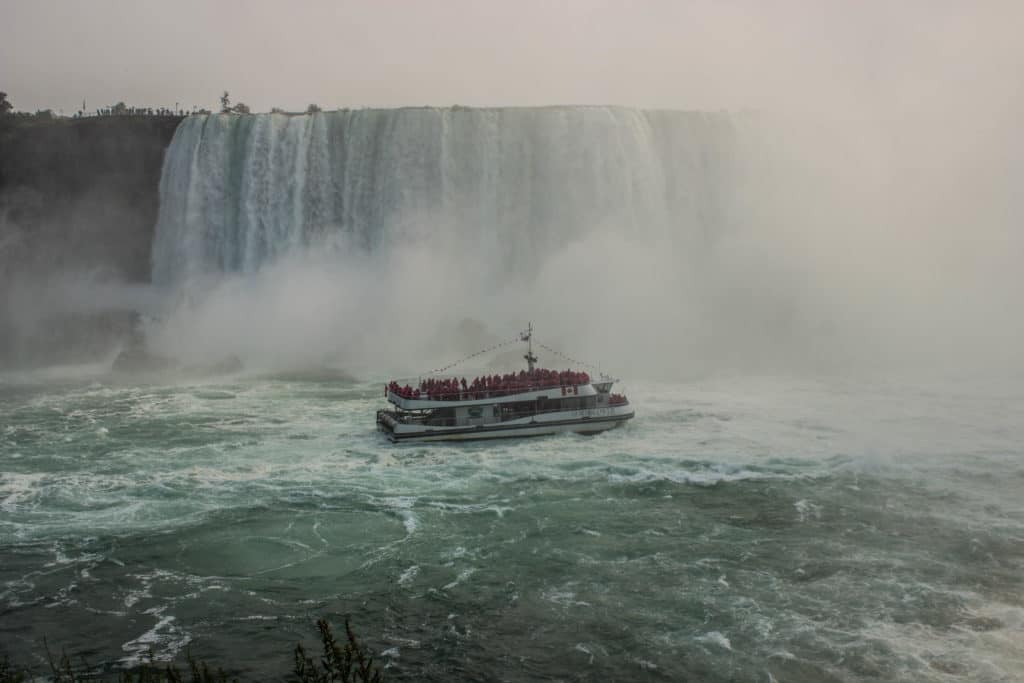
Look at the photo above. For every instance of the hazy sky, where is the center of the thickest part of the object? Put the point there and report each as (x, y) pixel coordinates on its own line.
(709, 55)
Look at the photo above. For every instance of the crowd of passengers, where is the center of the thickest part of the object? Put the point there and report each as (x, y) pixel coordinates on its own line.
(489, 386)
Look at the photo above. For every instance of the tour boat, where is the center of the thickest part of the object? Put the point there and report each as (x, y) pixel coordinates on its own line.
(532, 402)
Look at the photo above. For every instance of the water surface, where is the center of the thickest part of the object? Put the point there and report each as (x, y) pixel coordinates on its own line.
(748, 529)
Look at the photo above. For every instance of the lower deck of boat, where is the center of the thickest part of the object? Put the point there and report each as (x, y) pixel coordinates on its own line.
(578, 421)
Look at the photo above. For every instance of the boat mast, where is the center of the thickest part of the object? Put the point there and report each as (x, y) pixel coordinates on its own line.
(528, 338)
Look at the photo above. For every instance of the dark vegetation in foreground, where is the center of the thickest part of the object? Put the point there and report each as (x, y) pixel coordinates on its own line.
(347, 661)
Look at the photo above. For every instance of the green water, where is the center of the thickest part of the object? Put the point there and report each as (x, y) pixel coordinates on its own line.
(744, 529)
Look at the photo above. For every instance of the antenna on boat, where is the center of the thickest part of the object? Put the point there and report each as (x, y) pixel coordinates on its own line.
(528, 338)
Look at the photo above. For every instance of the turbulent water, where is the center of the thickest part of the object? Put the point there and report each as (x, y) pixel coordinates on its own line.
(739, 529)
(504, 185)
(736, 530)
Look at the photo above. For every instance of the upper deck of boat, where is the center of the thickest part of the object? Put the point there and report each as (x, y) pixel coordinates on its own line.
(485, 397)
(529, 385)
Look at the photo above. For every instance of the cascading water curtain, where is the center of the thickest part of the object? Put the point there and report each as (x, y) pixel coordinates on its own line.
(500, 185)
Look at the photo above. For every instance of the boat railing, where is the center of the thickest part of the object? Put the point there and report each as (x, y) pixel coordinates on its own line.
(478, 395)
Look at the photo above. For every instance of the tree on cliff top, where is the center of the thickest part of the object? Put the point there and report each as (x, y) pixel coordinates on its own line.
(5, 104)
(226, 108)
(313, 109)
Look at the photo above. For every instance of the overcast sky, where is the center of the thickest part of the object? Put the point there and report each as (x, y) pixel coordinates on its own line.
(706, 55)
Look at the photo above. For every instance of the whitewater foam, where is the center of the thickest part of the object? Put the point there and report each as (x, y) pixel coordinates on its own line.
(161, 643)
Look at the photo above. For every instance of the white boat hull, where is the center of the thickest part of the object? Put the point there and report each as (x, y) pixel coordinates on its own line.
(590, 421)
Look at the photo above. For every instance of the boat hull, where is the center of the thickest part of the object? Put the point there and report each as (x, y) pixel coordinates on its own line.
(572, 421)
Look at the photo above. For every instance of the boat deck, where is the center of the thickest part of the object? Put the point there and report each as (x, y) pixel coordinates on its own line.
(401, 426)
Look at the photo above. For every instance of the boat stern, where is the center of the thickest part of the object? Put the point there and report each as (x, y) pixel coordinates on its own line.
(386, 423)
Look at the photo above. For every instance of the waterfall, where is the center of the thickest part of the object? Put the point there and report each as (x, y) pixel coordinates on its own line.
(504, 186)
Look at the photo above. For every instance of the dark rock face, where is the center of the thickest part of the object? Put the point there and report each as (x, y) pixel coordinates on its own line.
(82, 193)
(78, 198)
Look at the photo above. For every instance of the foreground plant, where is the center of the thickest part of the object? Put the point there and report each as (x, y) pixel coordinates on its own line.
(348, 662)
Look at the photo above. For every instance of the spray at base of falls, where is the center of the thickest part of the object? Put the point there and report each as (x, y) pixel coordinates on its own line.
(660, 239)
(303, 235)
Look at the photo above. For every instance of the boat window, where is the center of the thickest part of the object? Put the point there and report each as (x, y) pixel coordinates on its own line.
(512, 411)
(548, 405)
(441, 417)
